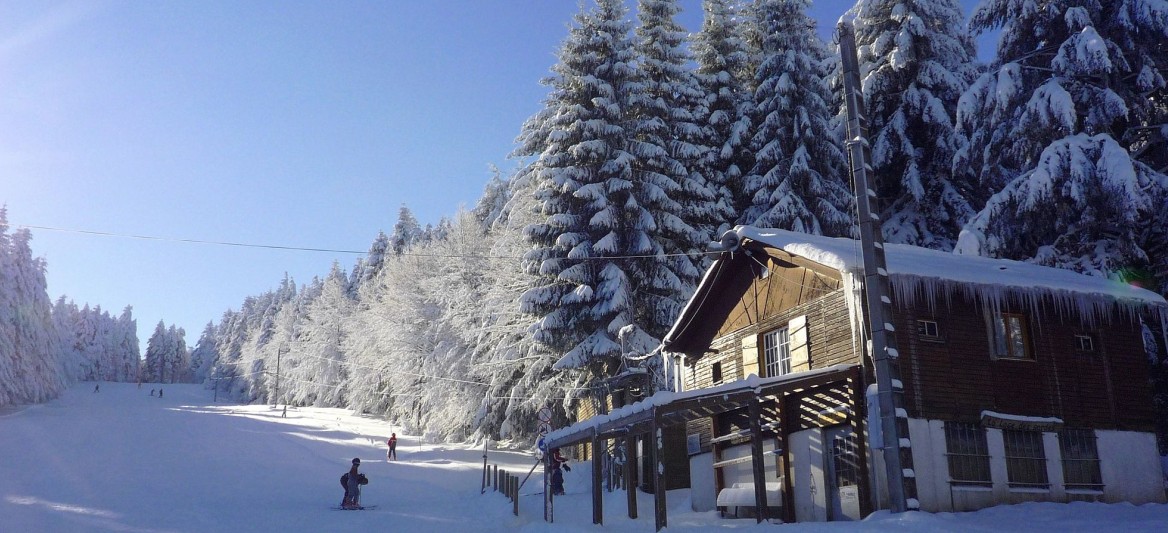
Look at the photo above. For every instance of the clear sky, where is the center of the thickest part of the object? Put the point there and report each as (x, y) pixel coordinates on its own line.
(291, 123)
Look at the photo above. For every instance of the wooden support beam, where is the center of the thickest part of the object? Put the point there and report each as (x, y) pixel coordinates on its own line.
(759, 461)
(597, 482)
(788, 469)
(630, 478)
(856, 419)
(657, 445)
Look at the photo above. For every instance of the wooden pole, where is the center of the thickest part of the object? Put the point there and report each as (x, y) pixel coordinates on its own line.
(658, 447)
(629, 466)
(597, 484)
(515, 494)
(758, 461)
(785, 424)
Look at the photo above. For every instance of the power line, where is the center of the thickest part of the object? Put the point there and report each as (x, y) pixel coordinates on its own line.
(187, 241)
(333, 250)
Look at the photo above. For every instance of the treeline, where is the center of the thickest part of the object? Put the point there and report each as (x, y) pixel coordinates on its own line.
(45, 346)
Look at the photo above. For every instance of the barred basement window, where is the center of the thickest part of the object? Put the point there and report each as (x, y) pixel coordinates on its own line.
(968, 454)
(1025, 459)
(1080, 459)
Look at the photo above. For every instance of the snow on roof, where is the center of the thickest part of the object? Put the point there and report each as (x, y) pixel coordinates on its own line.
(917, 271)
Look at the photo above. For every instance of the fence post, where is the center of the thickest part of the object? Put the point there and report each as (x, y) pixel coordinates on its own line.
(515, 490)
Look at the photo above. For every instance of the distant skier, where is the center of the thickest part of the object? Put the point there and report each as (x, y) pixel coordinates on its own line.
(159, 392)
(391, 455)
(352, 482)
(152, 392)
(97, 388)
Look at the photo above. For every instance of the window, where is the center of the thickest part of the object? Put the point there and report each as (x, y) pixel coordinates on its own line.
(1011, 336)
(1086, 343)
(968, 454)
(928, 329)
(1080, 459)
(1025, 458)
(716, 372)
(776, 347)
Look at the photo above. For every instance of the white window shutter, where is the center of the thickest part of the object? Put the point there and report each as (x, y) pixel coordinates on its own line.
(800, 347)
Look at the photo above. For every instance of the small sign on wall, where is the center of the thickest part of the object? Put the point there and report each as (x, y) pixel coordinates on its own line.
(693, 444)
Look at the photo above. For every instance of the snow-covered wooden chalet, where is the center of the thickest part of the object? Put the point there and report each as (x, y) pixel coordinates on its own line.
(1020, 383)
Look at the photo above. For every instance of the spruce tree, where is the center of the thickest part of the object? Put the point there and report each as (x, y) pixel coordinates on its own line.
(798, 181)
(916, 60)
(725, 74)
(1060, 130)
(599, 249)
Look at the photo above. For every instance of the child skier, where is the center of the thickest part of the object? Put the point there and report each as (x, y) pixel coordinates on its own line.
(559, 464)
(391, 454)
(352, 482)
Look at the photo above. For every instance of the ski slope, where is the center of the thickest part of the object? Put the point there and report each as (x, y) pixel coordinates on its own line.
(120, 460)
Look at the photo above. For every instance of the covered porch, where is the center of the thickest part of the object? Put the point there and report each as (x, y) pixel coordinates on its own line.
(766, 408)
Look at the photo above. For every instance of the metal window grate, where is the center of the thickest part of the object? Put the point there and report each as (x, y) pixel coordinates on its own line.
(846, 454)
(1025, 458)
(777, 352)
(968, 454)
(1080, 459)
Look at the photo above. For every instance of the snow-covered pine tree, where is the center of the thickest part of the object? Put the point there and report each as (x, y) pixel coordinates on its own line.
(31, 368)
(205, 353)
(799, 177)
(665, 102)
(368, 267)
(154, 366)
(1057, 130)
(127, 346)
(316, 368)
(599, 251)
(725, 75)
(405, 231)
(916, 60)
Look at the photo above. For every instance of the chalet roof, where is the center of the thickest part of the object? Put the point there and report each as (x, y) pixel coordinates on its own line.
(922, 263)
(915, 273)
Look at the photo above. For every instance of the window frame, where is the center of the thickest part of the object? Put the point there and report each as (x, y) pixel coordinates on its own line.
(923, 329)
(1006, 340)
(1080, 460)
(716, 372)
(1025, 452)
(967, 455)
(776, 353)
(1089, 341)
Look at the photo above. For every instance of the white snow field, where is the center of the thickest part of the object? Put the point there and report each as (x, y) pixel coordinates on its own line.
(120, 460)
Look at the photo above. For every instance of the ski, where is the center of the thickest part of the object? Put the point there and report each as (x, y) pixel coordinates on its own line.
(358, 508)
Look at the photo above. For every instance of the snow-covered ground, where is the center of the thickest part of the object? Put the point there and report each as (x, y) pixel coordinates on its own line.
(121, 460)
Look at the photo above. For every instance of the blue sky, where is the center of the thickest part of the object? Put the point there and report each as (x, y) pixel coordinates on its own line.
(291, 123)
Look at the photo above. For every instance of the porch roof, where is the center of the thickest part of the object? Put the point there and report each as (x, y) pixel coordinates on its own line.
(671, 408)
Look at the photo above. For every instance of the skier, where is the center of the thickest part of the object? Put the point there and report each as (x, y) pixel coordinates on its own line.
(152, 392)
(559, 464)
(97, 388)
(391, 455)
(352, 482)
(159, 392)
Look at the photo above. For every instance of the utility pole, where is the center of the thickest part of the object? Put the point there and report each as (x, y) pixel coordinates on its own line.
(276, 398)
(898, 463)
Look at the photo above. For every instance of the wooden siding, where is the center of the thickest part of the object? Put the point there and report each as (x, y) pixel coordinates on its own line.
(955, 377)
